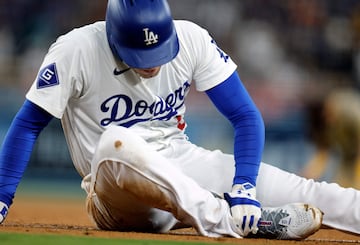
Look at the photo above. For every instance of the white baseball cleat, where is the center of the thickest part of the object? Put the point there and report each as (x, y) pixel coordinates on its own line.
(294, 221)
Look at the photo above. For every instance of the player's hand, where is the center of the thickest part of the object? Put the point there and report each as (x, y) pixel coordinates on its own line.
(3, 211)
(244, 207)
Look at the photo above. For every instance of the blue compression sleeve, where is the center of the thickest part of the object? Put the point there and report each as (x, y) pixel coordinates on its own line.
(233, 101)
(17, 147)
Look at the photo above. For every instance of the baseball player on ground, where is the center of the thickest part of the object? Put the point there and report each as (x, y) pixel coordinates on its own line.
(119, 88)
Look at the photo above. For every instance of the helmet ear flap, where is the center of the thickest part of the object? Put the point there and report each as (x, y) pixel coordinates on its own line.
(141, 33)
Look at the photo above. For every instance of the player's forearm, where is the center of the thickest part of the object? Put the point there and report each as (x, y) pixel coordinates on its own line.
(248, 148)
(14, 157)
(17, 147)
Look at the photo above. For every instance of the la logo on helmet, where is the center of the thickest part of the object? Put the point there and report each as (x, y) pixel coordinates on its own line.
(150, 37)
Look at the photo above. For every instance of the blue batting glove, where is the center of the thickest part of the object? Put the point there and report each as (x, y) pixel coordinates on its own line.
(245, 209)
(3, 211)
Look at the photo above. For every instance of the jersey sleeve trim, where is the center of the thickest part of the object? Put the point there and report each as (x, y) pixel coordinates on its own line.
(49, 108)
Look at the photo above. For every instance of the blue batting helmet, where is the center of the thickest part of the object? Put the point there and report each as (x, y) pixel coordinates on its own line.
(141, 32)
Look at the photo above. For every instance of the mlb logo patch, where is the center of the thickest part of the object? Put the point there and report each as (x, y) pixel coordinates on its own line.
(47, 77)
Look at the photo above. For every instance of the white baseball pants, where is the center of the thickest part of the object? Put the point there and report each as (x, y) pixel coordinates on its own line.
(132, 187)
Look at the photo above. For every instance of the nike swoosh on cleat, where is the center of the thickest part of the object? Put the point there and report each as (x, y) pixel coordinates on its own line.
(119, 72)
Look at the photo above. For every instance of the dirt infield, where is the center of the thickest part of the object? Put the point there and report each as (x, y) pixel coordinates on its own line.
(68, 216)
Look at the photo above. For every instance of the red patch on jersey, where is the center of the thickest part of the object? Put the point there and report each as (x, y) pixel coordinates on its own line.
(181, 122)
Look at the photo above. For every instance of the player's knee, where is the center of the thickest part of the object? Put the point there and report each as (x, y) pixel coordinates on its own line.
(119, 143)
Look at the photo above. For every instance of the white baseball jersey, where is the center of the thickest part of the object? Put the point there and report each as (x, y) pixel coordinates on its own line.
(82, 83)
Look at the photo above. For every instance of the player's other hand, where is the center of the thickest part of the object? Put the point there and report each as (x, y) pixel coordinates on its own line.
(3, 211)
(244, 207)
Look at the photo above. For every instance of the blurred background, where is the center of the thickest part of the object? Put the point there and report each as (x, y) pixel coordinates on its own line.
(291, 55)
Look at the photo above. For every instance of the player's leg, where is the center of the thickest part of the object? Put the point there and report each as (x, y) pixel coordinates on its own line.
(113, 208)
(341, 208)
(130, 183)
(214, 171)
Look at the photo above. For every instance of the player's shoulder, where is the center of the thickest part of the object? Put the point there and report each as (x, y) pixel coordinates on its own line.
(190, 33)
(185, 23)
(89, 29)
(187, 26)
(85, 36)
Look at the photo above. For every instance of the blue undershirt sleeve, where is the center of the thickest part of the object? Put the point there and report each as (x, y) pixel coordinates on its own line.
(233, 101)
(18, 145)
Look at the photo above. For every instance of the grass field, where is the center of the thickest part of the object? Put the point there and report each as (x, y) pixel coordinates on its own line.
(48, 239)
